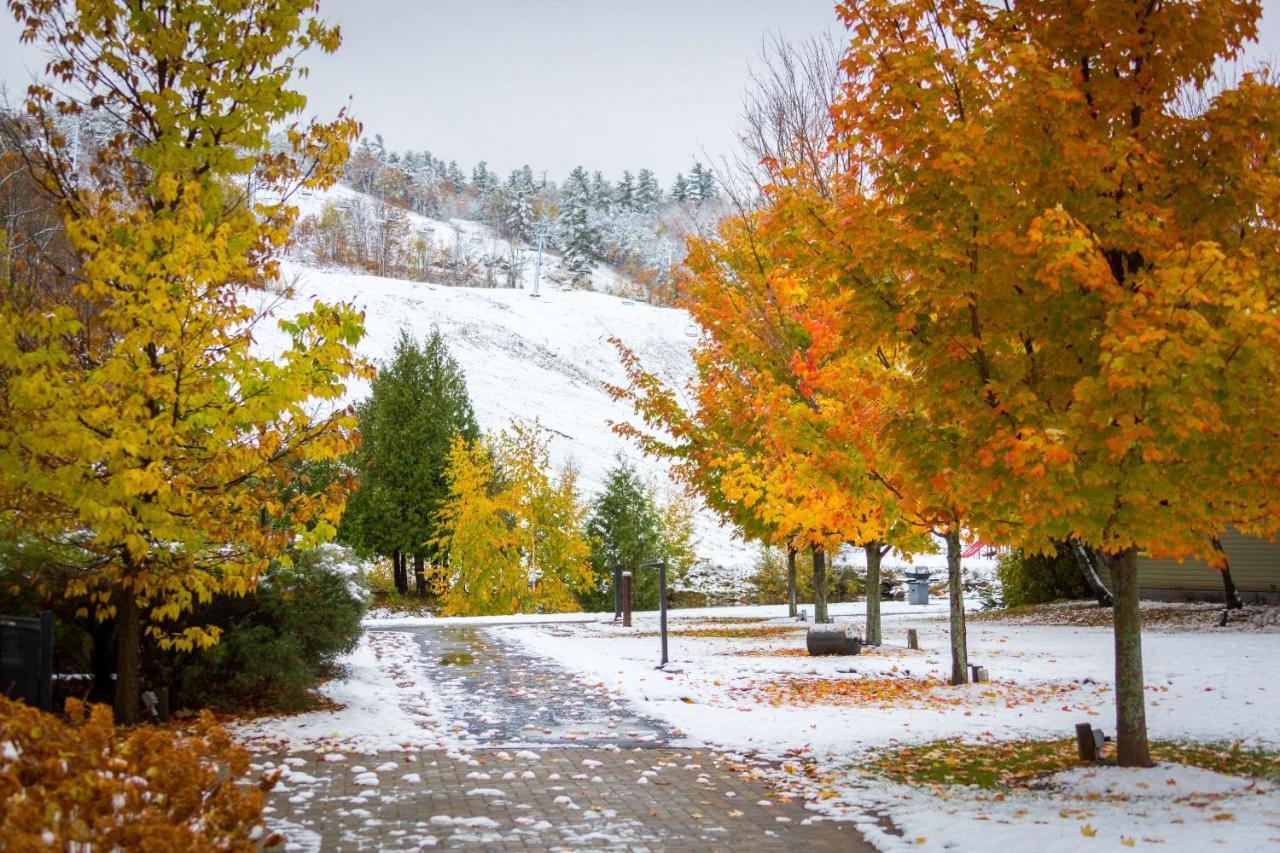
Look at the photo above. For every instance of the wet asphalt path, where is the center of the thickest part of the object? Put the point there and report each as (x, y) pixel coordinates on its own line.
(502, 696)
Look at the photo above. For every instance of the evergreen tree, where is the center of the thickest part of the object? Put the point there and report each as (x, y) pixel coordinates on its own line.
(625, 193)
(702, 183)
(520, 215)
(625, 530)
(418, 405)
(601, 193)
(648, 192)
(482, 180)
(680, 191)
(578, 239)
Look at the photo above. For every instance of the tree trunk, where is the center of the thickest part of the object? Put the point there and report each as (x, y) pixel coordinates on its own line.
(955, 585)
(1228, 585)
(1131, 713)
(128, 650)
(419, 576)
(401, 576)
(1087, 560)
(874, 554)
(102, 661)
(819, 586)
(791, 582)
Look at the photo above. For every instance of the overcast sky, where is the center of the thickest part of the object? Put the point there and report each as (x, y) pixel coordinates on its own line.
(608, 84)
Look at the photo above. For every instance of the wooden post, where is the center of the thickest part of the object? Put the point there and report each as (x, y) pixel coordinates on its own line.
(913, 639)
(626, 599)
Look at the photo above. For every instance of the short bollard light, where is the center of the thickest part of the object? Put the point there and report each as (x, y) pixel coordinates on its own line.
(617, 592)
(661, 566)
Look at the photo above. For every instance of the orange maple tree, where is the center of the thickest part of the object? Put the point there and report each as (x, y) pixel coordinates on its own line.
(1057, 234)
(756, 440)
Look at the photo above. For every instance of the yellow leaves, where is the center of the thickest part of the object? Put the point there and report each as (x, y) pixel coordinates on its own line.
(162, 435)
(1088, 831)
(515, 542)
(1127, 842)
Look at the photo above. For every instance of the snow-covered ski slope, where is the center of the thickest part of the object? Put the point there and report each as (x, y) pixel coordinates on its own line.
(525, 358)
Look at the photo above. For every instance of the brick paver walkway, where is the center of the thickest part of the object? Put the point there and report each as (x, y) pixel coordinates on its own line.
(547, 763)
(564, 798)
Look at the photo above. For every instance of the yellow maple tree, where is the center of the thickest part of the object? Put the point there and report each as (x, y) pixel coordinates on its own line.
(141, 427)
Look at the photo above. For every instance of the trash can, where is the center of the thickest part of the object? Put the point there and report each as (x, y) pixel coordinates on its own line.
(918, 588)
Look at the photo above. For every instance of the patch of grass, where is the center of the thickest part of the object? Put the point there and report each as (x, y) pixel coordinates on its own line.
(1232, 759)
(1019, 764)
(402, 605)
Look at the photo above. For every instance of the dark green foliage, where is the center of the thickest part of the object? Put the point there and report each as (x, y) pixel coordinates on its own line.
(1036, 579)
(624, 529)
(278, 642)
(418, 404)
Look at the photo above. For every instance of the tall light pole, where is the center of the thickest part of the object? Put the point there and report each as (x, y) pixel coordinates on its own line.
(661, 566)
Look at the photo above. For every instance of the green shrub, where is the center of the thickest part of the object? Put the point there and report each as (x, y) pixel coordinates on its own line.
(280, 641)
(1037, 578)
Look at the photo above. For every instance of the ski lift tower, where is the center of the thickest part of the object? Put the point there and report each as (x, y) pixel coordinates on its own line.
(537, 267)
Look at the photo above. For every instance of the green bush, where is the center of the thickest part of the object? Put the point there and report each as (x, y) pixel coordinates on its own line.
(280, 641)
(1037, 578)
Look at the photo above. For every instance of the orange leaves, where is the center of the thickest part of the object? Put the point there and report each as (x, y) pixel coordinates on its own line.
(898, 691)
(86, 784)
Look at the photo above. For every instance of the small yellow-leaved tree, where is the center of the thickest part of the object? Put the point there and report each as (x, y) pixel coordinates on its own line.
(513, 532)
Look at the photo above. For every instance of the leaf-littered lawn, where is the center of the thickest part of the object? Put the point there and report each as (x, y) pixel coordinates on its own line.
(1021, 764)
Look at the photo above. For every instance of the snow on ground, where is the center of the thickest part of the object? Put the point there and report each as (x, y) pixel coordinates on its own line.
(381, 706)
(1201, 686)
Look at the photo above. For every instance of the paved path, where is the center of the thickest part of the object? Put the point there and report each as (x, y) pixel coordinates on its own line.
(551, 763)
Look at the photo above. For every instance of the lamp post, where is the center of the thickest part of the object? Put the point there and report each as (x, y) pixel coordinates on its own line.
(617, 592)
(661, 566)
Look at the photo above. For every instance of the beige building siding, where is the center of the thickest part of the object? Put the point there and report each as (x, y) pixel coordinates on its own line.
(1255, 568)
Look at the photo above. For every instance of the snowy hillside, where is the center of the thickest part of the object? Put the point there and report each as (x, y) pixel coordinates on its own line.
(525, 358)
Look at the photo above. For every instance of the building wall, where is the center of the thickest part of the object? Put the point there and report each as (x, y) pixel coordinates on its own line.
(1255, 568)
